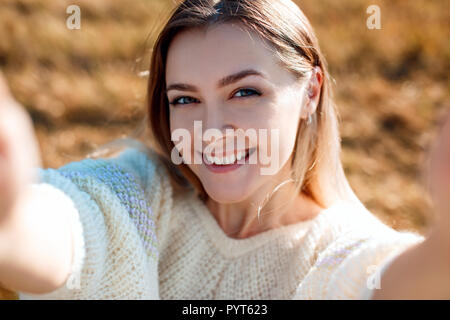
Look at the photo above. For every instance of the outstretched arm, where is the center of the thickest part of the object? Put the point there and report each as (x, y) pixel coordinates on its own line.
(423, 272)
(35, 243)
(86, 230)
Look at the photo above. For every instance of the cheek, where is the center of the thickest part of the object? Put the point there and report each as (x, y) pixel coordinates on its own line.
(182, 134)
(286, 143)
(276, 143)
(285, 122)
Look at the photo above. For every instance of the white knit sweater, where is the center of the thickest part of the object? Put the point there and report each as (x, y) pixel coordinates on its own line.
(135, 238)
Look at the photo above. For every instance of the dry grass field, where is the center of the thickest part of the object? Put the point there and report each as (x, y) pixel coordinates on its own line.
(82, 87)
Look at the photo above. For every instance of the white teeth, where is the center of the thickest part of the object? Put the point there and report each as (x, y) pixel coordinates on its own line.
(229, 159)
(240, 155)
(226, 160)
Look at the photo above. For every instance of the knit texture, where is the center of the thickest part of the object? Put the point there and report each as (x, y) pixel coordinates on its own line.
(136, 238)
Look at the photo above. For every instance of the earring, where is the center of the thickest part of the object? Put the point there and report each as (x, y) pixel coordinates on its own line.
(308, 122)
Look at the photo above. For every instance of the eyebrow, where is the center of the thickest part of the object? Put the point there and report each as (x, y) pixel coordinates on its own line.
(222, 82)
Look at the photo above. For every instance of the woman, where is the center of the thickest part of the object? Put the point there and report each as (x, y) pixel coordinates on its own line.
(197, 219)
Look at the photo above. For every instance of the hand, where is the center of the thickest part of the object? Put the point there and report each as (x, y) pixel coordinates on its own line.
(19, 152)
(439, 183)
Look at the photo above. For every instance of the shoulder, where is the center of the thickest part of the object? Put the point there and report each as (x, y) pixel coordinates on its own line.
(136, 169)
(358, 246)
(135, 161)
(140, 160)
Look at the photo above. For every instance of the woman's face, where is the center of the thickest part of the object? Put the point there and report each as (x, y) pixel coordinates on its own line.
(268, 97)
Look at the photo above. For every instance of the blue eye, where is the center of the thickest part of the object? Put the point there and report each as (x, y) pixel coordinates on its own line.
(246, 93)
(177, 101)
(242, 93)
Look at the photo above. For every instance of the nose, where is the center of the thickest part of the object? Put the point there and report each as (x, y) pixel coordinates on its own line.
(214, 117)
(215, 128)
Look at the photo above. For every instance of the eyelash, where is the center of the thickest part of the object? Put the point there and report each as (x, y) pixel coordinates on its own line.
(255, 92)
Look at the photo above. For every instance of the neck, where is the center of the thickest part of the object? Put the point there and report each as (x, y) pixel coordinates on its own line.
(240, 220)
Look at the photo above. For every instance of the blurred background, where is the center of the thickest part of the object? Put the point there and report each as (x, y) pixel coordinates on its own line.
(86, 87)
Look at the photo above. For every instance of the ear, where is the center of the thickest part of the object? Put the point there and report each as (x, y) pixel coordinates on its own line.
(313, 89)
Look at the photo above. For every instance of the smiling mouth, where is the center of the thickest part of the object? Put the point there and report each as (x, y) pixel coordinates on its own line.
(237, 157)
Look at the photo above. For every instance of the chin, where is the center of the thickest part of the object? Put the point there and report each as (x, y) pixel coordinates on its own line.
(227, 193)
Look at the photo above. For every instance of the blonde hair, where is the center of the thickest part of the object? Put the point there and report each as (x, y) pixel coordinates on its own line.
(317, 168)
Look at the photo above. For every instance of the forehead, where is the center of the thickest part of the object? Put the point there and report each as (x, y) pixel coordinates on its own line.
(208, 54)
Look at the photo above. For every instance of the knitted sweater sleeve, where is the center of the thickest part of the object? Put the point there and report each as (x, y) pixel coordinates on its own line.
(113, 206)
(352, 265)
(359, 273)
